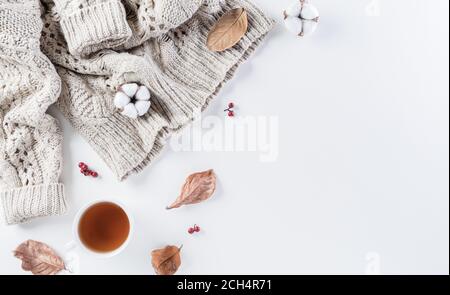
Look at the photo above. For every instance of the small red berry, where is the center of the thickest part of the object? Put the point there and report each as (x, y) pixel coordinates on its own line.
(196, 228)
(87, 172)
(231, 105)
(230, 114)
(94, 174)
(191, 230)
(83, 166)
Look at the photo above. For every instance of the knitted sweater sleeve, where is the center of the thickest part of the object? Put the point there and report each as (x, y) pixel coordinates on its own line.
(183, 75)
(92, 25)
(30, 140)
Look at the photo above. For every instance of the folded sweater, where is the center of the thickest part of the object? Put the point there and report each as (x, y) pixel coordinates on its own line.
(95, 46)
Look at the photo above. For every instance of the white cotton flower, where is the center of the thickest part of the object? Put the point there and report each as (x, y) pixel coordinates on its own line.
(133, 100)
(294, 25)
(130, 111)
(121, 100)
(309, 12)
(142, 107)
(129, 89)
(143, 93)
(295, 9)
(309, 28)
(301, 18)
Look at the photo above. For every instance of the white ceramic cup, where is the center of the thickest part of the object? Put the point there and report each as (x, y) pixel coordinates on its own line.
(76, 235)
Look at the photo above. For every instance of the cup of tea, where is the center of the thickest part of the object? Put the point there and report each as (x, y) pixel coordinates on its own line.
(103, 228)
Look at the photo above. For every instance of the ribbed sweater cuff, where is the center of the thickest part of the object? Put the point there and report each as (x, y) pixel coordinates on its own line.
(19, 205)
(96, 27)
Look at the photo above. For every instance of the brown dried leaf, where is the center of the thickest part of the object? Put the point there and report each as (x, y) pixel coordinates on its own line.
(39, 258)
(197, 188)
(166, 261)
(228, 31)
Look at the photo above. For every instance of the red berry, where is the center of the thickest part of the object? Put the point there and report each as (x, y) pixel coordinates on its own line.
(230, 114)
(87, 172)
(191, 230)
(196, 228)
(83, 166)
(94, 174)
(231, 105)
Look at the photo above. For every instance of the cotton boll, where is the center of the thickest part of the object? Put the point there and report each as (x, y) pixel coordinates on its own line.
(309, 27)
(121, 100)
(142, 107)
(301, 18)
(130, 111)
(129, 89)
(294, 10)
(143, 93)
(309, 12)
(294, 25)
(134, 100)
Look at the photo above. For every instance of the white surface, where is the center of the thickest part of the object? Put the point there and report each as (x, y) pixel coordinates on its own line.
(361, 181)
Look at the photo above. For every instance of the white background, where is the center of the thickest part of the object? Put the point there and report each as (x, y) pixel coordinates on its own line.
(361, 180)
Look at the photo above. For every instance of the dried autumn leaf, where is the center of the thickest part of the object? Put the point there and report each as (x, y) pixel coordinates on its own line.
(228, 31)
(166, 261)
(197, 188)
(39, 258)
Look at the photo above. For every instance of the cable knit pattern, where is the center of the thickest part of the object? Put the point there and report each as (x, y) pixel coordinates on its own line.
(182, 74)
(30, 140)
(91, 25)
(95, 46)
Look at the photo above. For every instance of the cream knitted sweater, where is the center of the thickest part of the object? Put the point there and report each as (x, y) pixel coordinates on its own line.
(77, 53)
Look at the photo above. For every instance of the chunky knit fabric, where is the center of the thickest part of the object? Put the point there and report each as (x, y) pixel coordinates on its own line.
(182, 74)
(30, 140)
(97, 45)
(91, 25)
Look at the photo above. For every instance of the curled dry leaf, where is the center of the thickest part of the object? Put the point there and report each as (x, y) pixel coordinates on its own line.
(197, 188)
(39, 258)
(166, 261)
(228, 31)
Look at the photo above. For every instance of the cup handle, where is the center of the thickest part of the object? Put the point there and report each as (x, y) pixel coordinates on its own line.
(71, 258)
